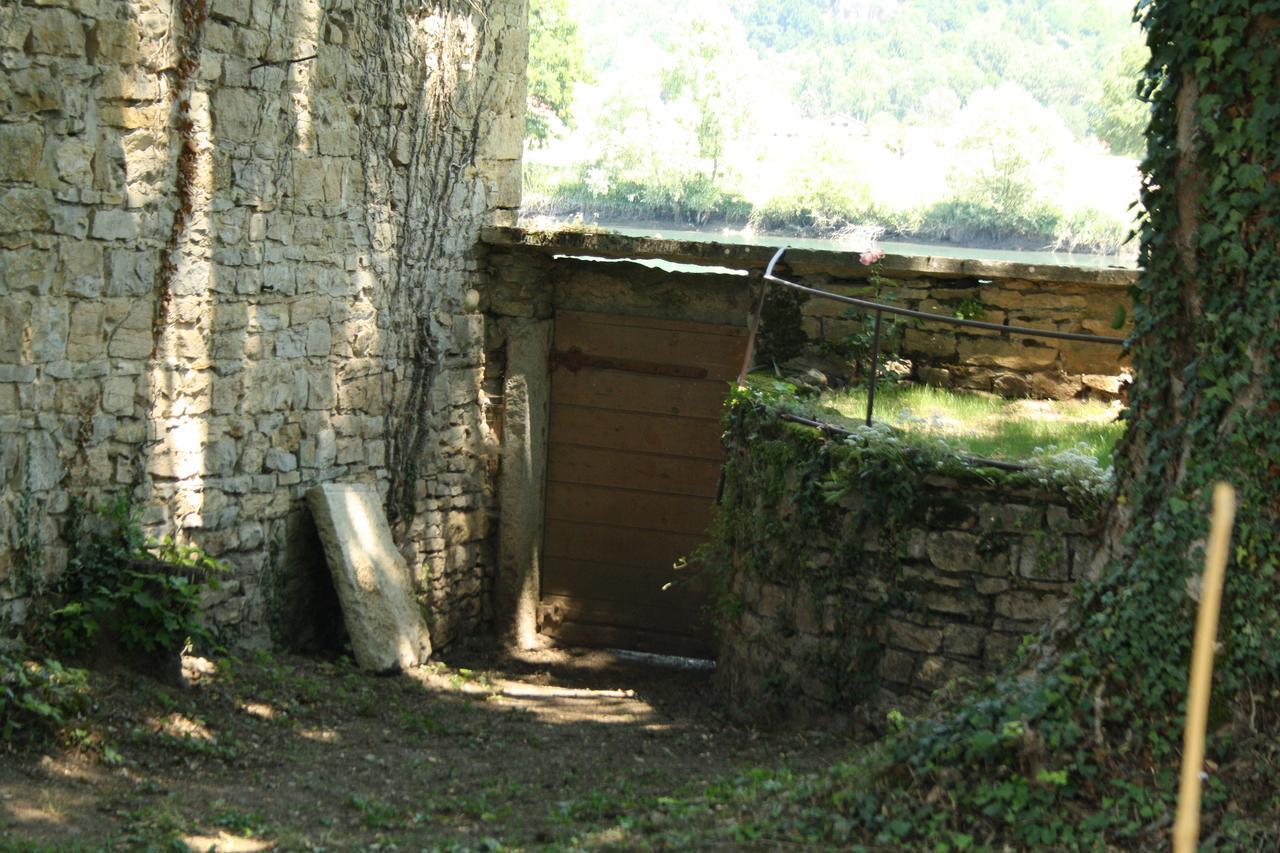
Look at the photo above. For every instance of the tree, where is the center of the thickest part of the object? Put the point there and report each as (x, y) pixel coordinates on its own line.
(703, 81)
(1010, 152)
(1118, 116)
(555, 68)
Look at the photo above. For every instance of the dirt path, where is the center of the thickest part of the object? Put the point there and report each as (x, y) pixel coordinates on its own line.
(482, 752)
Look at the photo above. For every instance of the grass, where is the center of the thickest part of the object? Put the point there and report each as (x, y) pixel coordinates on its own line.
(987, 426)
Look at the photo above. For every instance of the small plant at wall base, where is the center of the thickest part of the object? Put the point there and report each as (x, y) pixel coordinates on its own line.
(120, 588)
(37, 697)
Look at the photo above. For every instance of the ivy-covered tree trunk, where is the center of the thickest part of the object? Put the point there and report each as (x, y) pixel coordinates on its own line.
(1206, 403)
(1081, 745)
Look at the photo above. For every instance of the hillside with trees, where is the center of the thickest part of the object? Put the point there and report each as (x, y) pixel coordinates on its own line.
(981, 122)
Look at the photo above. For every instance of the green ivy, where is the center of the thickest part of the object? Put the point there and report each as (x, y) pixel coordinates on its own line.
(145, 595)
(1079, 745)
(37, 697)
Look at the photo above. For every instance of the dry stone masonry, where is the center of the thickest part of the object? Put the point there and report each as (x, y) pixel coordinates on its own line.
(840, 606)
(237, 239)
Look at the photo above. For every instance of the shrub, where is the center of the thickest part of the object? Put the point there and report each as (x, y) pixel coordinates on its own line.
(145, 596)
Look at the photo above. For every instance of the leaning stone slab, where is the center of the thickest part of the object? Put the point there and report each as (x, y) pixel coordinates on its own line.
(386, 627)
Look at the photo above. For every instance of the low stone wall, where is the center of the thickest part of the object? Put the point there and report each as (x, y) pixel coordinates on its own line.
(957, 357)
(861, 575)
(1056, 298)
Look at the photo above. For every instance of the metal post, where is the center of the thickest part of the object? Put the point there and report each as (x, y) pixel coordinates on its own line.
(875, 363)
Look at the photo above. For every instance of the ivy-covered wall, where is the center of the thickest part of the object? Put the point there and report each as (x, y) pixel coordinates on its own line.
(862, 573)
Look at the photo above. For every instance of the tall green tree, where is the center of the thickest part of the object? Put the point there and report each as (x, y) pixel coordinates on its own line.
(555, 68)
(1118, 116)
(704, 75)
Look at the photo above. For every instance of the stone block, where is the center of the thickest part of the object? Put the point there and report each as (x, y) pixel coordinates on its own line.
(15, 318)
(1009, 517)
(1042, 558)
(276, 459)
(937, 376)
(1080, 357)
(372, 581)
(86, 340)
(953, 550)
(934, 672)
(1054, 385)
(49, 329)
(230, 10)
(941, 345)
(991, 586)
(998, 648)
(82, 267)
(31, 91)
(897, 667)
(912, 637)
(951, 603)
(235, 114)
(25, 210)
(1011, 354)
(112, 43)
(963, 640)
(1028, 606)
(55, 32)
(20, 149)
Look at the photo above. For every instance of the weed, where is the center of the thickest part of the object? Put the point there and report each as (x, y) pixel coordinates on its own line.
(37, 697)
(145, 595)
(375, 814)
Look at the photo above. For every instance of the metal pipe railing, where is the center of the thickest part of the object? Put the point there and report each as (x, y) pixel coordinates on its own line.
(881, 308)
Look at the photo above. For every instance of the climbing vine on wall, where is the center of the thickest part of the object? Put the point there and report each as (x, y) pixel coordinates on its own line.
(432, 127)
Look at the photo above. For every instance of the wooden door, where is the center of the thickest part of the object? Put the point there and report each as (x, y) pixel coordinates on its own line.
(632, 468)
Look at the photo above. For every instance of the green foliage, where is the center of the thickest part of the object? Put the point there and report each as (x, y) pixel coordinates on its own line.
(860, 59)
(28, 547)
(1072, 433)
(690, 119)
(37, 697)
(1078, 746)
(1012, 146)
(145, 595)
(1117, 115)
(555, 67)
(781, 335)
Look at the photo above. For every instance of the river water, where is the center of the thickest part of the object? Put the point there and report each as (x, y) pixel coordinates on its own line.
(1063, 259)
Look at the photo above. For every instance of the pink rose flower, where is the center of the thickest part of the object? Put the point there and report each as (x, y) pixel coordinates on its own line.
(870, 257)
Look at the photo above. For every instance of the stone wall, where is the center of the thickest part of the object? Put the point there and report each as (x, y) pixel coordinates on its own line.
(1056, 298)
(844, 602)
(957, 357)
(238, 248)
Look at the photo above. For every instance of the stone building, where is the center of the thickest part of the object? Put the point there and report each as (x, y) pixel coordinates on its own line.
(238, 254)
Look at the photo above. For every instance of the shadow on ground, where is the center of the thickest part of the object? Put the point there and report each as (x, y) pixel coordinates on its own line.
(489, 749)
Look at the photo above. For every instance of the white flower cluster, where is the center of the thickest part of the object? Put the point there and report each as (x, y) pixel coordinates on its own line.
(1074, 471)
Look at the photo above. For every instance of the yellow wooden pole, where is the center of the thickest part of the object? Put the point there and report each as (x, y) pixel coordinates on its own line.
(1186, 831)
